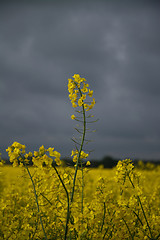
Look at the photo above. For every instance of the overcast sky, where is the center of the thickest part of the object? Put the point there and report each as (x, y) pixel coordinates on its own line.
(115, 45)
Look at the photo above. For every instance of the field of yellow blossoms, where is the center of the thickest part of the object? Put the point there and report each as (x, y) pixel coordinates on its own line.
(42, 199)
(115, 207)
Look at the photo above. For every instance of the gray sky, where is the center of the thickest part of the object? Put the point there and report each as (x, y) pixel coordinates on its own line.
(115, 45)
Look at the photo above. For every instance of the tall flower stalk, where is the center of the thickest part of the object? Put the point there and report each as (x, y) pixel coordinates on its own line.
(79, 94)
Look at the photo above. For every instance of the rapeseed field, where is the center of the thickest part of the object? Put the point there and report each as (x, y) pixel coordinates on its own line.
(48, 201)
(115, 205)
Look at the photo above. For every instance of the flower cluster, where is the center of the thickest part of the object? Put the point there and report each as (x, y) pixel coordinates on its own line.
(40, 157)
(78, 92)
(15, 153)
(82, 156)
(124, 169)
(18, 156)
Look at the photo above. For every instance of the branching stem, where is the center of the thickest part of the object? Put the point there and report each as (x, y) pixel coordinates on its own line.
(36, 198)
(80, 150)
(68, 202)
(139, 200)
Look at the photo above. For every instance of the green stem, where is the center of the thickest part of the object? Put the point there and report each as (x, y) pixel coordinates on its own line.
(145, 216)
(80, 150)
(127, 228)
(141, 207)
(46, 198)
(104, 213)
(158, 236)
(36, 198)
(82, 186)
(108, 227)
(78, 160)
(68, 202)
(138, 218)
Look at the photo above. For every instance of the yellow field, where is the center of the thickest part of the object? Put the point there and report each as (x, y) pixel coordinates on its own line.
(51, 202)
(113, 207)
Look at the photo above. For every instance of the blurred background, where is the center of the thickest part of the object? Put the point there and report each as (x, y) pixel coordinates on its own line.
(115, 45)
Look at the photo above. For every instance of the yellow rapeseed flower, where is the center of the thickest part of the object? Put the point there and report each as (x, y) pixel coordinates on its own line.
(84, 155)
(36, 153)
(74, 105)
(55, 154)
(90, 93)
(80, 102)
(41, 150)
(75, 158)
(88, 163)
(74, 152)
(73, 117)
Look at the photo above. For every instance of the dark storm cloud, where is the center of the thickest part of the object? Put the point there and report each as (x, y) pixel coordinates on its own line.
(114, 45)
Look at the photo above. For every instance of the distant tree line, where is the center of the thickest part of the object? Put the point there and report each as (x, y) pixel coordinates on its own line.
(110, 162)
(106, 162)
